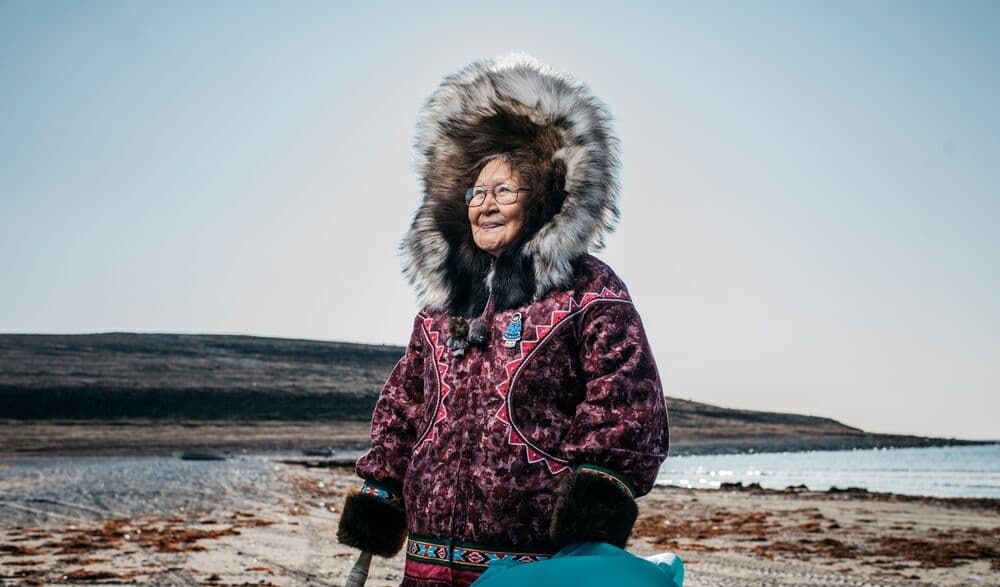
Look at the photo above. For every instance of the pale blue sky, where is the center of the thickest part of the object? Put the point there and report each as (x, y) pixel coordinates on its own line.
(810, 199)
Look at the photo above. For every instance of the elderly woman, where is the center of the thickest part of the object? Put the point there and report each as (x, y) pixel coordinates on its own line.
(527, 411)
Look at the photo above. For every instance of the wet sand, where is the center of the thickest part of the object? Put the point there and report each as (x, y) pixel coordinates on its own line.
(271, 520)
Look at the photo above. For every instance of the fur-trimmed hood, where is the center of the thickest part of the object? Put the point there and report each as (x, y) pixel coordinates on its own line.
(489, 107)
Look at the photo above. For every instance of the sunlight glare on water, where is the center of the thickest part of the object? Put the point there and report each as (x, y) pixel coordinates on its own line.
(957, 471)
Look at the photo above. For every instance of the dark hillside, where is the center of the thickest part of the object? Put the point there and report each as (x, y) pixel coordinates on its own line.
(123, 377)
(181, 376)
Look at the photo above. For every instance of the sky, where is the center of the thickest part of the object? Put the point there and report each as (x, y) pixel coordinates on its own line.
(809, 203)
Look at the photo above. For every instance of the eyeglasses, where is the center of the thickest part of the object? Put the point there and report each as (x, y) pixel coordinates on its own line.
(503, 194)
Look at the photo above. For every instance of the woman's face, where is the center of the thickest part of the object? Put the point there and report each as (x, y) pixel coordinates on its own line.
(495, 226)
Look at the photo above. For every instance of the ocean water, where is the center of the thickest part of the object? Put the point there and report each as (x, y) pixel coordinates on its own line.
(951, 471)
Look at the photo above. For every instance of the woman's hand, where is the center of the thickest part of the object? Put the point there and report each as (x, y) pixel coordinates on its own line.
(373, 520)
(592, 507)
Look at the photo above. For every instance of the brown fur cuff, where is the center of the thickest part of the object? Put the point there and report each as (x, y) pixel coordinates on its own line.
(372, 524)
(592, 508)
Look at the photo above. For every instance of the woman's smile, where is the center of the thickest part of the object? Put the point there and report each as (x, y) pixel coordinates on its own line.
(494, 225)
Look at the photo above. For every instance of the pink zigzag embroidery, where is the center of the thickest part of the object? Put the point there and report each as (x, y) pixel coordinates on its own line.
(442, 368)
(555, 465)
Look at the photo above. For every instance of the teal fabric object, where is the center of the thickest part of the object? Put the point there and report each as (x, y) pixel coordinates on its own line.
(587, 564)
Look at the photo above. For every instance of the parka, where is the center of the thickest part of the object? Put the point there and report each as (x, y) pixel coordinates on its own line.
(547, 431)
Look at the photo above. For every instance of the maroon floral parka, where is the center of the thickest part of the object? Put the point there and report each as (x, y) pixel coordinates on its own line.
(475, 445)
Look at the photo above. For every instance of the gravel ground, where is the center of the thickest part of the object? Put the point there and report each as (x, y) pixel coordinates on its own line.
(259, 521)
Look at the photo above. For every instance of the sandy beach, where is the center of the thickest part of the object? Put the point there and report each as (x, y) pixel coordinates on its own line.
(271, 520)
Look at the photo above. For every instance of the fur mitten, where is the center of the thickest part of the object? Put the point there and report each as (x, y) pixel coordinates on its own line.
(593, 506)
(374, 521)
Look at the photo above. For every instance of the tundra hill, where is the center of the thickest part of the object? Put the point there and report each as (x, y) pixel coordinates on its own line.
(185, 377)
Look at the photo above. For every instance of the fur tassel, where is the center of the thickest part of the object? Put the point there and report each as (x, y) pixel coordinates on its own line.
(372, 525)
(590, 508)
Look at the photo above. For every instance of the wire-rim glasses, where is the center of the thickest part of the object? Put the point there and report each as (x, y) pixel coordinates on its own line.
(503, 194)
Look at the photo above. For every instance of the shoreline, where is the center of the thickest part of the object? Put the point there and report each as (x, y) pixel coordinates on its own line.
(343, 459)
(137, 437)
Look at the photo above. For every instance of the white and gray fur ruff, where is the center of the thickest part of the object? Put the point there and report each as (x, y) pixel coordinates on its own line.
(519, 84)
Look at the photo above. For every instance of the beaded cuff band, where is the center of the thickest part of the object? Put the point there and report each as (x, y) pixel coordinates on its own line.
(381, 493)
(622, 484)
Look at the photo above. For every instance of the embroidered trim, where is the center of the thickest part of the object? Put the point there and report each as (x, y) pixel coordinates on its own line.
(542, 331)
(608, 474)
(463, 555)
(441, 412)
(381, 493)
